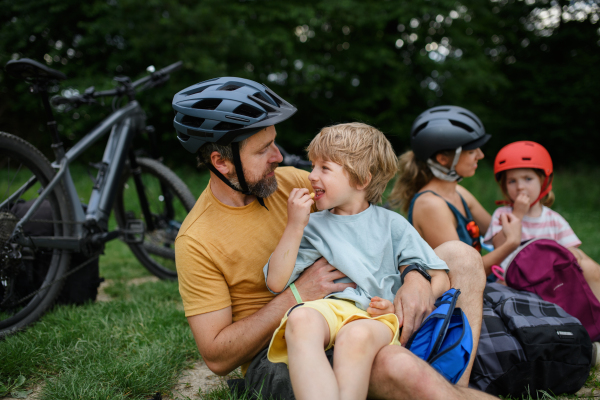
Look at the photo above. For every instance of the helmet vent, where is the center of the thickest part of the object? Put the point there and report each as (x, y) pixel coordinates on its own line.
(461, 125)
(229, 87)
(200, 133)
(195, 91)
(526, 158)
(468, 116)
(207, 104)
(192, 121)
(440, 110)
(248, 111)
(420, 128)
(227, 126)
(263, 98)
(502, 162)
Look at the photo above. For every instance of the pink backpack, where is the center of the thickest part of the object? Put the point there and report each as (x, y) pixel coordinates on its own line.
(544, 267)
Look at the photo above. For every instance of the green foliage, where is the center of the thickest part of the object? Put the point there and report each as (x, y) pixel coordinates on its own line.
(337, 61)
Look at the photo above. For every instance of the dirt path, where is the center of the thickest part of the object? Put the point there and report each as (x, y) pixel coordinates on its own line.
(195, 380)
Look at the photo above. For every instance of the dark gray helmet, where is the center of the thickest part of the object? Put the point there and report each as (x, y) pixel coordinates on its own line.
(226, 110)
(446, 128)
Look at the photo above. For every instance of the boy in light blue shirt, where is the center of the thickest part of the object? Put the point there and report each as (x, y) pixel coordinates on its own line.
(352, 164)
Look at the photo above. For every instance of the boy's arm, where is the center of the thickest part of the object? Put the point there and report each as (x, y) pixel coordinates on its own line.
(281, 264)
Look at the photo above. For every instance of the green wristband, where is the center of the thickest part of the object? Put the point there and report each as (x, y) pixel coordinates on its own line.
(296, 294)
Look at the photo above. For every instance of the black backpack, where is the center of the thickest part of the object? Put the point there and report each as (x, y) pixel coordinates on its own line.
(528, 344)
(79, 287)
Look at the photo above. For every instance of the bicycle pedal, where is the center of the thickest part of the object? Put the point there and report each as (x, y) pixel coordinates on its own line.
(133, 232)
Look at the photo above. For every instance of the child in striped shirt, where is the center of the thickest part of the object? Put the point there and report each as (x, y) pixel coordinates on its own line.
(524, 172)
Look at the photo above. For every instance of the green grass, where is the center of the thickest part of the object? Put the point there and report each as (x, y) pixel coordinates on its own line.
(140, 342)
(129, 348)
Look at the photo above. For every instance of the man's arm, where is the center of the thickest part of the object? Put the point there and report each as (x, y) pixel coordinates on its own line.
(225, 345)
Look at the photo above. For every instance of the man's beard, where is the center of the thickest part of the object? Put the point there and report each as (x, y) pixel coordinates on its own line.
(262, 187)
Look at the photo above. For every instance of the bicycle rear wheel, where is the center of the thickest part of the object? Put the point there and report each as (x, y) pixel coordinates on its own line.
(24, 271)
(169, 200)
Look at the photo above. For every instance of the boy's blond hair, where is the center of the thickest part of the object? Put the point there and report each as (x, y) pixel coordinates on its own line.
(364, 153)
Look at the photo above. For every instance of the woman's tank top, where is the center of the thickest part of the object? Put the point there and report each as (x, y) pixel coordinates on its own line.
(467, 228)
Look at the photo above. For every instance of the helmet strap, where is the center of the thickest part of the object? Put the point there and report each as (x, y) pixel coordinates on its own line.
(237, 162)
(546, 188)
(443, 173)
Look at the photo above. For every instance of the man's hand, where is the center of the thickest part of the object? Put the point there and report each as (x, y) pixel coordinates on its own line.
(299, 204)
(521, 206)
(414, 301)
(317, 281)
(379, 306)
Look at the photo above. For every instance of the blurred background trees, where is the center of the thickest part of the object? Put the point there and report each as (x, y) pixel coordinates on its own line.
(529, 68)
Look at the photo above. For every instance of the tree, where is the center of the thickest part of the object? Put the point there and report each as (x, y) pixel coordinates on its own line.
(380, 62)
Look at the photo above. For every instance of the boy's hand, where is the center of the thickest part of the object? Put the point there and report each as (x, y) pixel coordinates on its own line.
(521, 206)
(299, 204)
(379, 306)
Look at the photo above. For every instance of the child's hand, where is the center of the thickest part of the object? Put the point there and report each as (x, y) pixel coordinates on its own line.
(511, 227)
(521, 206)
(299, 204)
(379, 306)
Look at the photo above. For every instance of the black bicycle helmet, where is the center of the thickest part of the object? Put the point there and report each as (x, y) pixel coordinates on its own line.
(446, 128)
(226, 111)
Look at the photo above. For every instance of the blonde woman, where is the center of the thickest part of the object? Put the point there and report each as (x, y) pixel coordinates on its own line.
(446, 143)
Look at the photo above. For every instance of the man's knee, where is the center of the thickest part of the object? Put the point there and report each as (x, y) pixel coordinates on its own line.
(465, 264)
(399, 373)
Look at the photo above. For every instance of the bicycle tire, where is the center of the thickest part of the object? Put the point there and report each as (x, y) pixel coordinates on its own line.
(157, 252)
(21, 278)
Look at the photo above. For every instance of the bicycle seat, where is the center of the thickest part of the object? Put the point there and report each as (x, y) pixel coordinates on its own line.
(26, 68)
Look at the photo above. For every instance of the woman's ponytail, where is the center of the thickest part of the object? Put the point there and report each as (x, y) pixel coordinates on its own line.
(413, 174)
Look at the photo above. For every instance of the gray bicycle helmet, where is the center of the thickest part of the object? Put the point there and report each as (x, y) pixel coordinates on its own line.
(226, 111)
(446, 128)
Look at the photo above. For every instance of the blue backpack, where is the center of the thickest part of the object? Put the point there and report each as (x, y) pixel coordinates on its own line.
(444, 339)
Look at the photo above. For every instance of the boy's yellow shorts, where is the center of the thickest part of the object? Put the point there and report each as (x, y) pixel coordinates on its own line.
(337, 313)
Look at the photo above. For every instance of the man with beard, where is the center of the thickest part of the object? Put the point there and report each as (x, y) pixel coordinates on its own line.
(236, 224)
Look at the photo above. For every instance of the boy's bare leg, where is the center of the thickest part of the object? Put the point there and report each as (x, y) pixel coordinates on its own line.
(467, 274)
(399, 374)
(356, 346)
(306, 335)
(590, 268)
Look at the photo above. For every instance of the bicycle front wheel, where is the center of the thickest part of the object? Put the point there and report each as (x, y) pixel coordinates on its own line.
(169, 201)
(27, 274)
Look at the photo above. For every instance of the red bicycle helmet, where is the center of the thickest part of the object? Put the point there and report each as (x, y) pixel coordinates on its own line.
(525, 154)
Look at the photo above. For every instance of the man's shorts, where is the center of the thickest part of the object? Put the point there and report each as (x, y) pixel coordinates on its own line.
(337, 313)
(271, 380)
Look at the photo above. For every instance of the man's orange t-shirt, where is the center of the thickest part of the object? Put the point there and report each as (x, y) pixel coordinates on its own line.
(220, 251)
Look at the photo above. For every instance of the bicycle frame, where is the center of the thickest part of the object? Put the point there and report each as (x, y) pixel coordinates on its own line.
(123, 124)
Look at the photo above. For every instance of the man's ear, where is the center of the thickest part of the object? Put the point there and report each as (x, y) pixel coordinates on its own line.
(222, 165)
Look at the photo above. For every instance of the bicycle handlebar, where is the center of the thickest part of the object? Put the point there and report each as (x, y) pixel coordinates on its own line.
(154, 79)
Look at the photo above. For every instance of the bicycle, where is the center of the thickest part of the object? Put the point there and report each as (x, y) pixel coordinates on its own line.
(40, 193)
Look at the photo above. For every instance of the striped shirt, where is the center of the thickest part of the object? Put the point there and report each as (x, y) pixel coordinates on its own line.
(550, 225)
